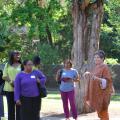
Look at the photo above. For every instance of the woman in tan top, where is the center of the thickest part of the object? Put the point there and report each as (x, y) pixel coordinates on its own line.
(99, 87)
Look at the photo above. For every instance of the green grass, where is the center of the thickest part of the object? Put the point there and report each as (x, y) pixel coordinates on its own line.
(53, 95)
(116, 98)
(56, 96)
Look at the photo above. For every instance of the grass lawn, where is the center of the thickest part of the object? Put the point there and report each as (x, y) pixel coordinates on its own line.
(56, 96)
(116, 98)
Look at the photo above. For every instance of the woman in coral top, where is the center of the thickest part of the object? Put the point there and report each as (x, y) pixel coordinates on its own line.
(99, 87)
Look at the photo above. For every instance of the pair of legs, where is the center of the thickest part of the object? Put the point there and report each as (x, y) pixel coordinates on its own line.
(12, 106)
(103, 115)
(66, 98)
(1, 107)
(30, 108)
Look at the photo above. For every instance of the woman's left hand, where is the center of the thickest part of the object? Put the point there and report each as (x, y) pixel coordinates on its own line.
(38, 80)
(18, 102)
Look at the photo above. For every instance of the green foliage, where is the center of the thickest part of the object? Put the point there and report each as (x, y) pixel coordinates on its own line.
(110, 30)
(48, 54)
(49, 25)
(111, 61)
(23, 22)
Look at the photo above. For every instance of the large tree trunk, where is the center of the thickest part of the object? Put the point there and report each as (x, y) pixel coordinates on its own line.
(87, 18)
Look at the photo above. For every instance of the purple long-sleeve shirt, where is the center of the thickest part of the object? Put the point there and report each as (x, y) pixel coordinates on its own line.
(26, 84)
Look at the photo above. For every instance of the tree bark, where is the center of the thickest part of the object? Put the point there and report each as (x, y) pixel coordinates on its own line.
(87, 18)
(49, 36)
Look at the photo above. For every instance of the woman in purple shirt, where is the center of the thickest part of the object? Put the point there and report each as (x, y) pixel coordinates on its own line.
(27, 92)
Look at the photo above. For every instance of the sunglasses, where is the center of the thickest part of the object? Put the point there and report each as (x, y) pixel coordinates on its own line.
(16, 53)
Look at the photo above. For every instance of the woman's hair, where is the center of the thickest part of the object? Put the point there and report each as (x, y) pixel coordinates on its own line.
(11, 57)
(36, 60)
(24, 63)
(68, 61)
(101, 54)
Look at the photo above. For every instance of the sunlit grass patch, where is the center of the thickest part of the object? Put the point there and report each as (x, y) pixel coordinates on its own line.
(115, 97)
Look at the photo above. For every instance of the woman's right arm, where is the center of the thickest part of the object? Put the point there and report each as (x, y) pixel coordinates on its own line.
(57, 75)
(5, 73)
(17, 88)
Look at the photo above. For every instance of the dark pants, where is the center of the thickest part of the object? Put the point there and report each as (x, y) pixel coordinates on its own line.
(30, 108)
(1, 107)
(11, 107)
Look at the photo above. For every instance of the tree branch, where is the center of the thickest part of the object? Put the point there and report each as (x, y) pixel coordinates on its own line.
(49, 36)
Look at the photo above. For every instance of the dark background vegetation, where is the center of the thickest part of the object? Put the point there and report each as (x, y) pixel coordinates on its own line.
(47, 30)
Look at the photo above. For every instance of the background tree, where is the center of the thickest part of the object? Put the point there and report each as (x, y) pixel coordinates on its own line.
(87, 19)
(110, 29)
(52, 29)
(49, 25)
(22, 22)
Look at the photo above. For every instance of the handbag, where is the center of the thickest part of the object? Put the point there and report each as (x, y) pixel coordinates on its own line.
(60, 75)
(42, 90)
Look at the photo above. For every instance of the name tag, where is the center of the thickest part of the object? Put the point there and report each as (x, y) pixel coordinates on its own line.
(32, 76)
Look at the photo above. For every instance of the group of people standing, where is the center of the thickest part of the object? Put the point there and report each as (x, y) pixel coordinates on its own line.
(23, 95)
(98, 90)
(21, 89)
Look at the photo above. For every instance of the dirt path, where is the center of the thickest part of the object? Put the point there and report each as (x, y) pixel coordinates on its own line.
(54, 111)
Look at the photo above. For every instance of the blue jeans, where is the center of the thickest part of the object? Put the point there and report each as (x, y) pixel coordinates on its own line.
(1, 107)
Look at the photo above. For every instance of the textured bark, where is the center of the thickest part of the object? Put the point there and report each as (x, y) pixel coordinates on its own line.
(87, 19)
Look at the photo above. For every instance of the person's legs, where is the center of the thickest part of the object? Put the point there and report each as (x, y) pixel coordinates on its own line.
(103, 115)
(1, 107)
(26, 108)
(18, 113)
(64, 96)
(40, 100)
(11, 105)
(72, 104)
(36, 108)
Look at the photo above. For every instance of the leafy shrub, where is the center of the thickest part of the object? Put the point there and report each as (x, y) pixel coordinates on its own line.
(111, 61)
(48, 54)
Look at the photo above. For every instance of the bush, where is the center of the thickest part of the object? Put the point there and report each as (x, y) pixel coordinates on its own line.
(111, 61)
(48, 54)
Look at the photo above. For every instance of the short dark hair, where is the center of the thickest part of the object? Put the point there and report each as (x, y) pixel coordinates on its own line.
(11, 57)
(101, 54)
(24, 63)
(36, 60)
